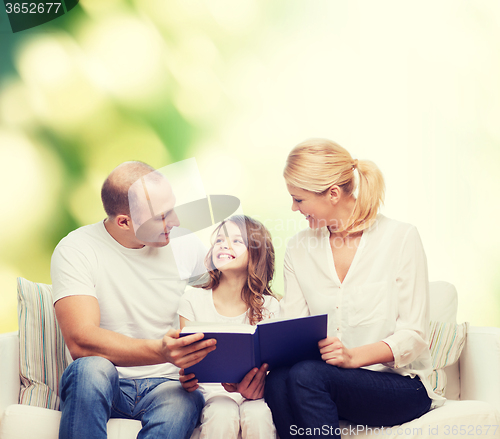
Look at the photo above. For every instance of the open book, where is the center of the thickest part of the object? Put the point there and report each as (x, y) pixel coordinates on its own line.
(243, 347)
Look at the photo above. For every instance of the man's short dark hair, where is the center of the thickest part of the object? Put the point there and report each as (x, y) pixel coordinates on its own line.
(114, 192)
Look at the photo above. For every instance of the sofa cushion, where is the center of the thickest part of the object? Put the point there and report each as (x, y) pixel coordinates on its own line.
(476, 417)
(42, 352)
(455, 419)
(44, 424)
(443, 308)
(446, 342)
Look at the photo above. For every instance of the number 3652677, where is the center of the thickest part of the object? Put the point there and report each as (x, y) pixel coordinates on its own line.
(32, 8)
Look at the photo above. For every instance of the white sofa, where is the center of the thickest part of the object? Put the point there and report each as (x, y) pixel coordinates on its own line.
(473, 409)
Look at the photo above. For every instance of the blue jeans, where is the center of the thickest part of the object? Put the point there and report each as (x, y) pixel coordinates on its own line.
(91, 393)
(314, 394)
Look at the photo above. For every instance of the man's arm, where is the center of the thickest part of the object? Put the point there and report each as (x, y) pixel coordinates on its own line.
(79, 317)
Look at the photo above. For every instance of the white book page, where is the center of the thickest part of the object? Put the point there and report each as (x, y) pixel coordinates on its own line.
(195, 327)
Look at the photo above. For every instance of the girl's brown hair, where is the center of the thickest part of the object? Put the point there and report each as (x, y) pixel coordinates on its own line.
(260, 265)
(318, 164)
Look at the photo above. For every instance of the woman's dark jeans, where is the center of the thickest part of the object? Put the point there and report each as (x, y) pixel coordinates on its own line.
(315, 395)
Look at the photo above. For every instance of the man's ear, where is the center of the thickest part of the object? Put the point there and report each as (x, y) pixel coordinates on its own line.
(335, 193)
(123, 222)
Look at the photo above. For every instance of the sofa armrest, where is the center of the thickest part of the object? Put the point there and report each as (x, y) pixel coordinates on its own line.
(10, 382)
(480, 365)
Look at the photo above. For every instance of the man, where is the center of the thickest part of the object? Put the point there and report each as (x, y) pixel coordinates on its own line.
(116, 290)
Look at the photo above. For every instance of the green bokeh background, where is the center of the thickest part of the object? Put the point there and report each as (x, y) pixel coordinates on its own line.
(411, 86)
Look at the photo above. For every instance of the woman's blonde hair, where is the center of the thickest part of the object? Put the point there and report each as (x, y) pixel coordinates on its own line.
(316, 165)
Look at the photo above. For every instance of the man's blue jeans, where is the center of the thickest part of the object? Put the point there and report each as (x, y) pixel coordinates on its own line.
(315, 395)
(91, 393)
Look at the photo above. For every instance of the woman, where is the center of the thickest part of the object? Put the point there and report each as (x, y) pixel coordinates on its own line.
(369, 274)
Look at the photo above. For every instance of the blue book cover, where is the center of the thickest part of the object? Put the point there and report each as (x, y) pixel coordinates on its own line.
(242, 347)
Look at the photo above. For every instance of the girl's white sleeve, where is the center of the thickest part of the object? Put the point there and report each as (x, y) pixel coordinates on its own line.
(293, 303)
(410, 335)
(186, 309)
(272, 308)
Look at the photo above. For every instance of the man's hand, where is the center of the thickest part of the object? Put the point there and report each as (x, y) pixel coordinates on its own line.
(335, 353)
(189, 382)
(252, 386)
(186, 351)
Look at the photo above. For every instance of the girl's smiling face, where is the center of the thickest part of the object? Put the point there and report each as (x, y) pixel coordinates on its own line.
(229, 250)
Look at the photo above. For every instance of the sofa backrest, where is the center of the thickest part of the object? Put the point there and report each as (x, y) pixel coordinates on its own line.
(443, 302)
(9, 370)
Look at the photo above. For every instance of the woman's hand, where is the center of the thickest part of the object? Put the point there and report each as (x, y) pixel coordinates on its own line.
(252, 386)
(335, 353)
(189, 382)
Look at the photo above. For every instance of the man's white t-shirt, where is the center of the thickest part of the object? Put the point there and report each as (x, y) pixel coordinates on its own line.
(138, 290)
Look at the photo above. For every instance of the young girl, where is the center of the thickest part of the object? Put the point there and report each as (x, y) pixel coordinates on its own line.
(241, 266)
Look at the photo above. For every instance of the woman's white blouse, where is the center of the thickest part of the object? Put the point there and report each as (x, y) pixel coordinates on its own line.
(384, 296)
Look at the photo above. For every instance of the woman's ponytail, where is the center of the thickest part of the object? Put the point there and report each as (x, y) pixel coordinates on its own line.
(370, 196)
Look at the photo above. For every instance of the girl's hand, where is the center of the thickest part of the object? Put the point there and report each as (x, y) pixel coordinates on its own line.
(335, 353)
(252, 386)
(230, 387)
(189, 382)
